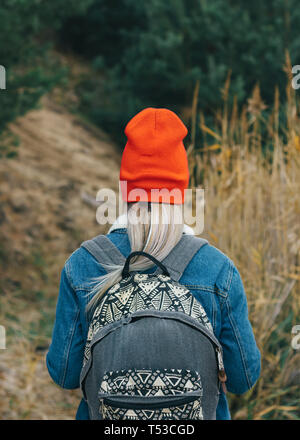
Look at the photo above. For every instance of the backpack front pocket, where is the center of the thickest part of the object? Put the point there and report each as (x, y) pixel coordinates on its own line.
(151, 394)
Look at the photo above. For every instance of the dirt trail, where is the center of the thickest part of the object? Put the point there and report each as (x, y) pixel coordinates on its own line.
(44, 216)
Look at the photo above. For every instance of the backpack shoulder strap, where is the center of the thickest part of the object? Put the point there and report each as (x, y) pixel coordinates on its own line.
(181, 255)
(104, 250)
(176, 261)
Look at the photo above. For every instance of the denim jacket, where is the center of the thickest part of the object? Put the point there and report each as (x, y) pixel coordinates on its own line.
(211, 277)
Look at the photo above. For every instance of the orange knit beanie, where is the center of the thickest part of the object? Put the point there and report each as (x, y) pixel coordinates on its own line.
(154, 158)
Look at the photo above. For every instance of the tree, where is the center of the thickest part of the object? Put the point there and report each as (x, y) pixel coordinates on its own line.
(152, 53)
(25, 27)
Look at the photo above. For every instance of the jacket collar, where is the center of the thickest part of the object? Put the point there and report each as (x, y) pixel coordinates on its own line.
(121, 223)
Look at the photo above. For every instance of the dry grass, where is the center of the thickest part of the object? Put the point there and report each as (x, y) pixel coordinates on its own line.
(43, 218)
(252, 213)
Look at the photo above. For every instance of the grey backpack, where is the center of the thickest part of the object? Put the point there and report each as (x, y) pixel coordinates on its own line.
(151, 353)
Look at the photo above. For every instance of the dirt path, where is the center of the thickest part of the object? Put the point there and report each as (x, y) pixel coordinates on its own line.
(44, 216)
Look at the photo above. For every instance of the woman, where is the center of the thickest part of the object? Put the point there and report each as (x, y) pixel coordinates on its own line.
(154, 158)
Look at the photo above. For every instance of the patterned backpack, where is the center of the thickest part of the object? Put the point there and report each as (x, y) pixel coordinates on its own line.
(151, 353)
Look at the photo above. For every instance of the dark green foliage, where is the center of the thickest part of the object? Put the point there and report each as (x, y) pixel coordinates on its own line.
(151, 53)
(107, 29)
(25, 28)
(146, 53)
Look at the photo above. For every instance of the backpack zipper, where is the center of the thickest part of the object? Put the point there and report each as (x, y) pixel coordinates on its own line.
(221, 373)
(118, 403)
(221, 370)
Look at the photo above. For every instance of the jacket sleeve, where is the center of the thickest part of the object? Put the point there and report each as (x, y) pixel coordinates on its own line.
(242, 359)
(65, 355)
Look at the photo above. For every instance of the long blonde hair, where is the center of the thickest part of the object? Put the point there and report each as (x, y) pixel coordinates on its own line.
(158, 230)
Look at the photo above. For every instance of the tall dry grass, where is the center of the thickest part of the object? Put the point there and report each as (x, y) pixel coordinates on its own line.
(252, 213)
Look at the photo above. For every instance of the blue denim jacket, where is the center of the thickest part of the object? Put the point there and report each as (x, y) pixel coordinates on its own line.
(212, 278)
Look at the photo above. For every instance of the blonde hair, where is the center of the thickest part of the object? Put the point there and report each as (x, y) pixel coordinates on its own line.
(154, 228)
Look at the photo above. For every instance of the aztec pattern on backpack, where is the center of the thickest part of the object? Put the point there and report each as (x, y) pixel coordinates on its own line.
(142, 292)
(165, 382)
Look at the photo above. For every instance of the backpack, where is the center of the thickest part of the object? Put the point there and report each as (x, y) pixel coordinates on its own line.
(151, 353)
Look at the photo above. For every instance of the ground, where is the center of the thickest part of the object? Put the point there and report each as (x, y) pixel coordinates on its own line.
(46, 210)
